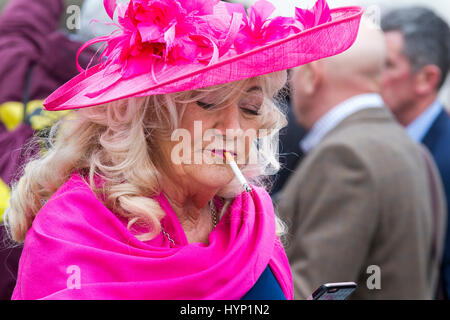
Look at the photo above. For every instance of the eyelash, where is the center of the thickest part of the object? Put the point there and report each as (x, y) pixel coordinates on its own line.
(209, 106)
(252, 112)
(204, 105)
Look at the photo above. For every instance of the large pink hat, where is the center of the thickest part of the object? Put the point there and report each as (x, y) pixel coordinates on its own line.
(165, 46)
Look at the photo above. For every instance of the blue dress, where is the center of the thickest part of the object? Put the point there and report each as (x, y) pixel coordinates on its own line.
(266, 288)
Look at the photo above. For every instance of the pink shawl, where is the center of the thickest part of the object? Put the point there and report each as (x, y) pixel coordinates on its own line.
(74, 231)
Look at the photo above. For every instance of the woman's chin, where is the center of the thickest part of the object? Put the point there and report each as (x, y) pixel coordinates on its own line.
(213, 175)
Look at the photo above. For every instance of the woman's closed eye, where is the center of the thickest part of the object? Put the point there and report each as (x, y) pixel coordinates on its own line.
(251, 104)
(205, 105)
(252, 110)
(249, 108)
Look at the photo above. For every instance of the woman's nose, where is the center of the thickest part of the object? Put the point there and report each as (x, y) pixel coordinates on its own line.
(229, 119)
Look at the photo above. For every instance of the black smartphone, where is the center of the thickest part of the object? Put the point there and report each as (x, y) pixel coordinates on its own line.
(333, 291)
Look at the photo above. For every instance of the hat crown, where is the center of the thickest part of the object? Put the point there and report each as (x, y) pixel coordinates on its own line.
(154, 33)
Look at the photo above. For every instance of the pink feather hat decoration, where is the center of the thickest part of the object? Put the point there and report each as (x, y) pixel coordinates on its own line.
(165, 46)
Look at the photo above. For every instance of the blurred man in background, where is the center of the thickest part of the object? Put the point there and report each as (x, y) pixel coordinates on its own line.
(362, 196)
(418, 43)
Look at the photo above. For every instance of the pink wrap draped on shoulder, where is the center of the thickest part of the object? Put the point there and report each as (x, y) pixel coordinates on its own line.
(75, 231)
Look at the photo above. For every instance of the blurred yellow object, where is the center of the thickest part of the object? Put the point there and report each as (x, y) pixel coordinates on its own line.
(4, 198)
(39, 122)
(41, 119)
(33, 105)
(11, 114)
(45, 119)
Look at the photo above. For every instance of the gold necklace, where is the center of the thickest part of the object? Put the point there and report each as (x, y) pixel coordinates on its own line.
(213, 210)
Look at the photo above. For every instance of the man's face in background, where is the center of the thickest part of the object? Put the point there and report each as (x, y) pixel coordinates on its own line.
(398, 78)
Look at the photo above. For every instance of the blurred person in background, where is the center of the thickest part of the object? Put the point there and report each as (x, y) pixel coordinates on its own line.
(290, 152)
(37, 57)
(362, 196)
(418, 43)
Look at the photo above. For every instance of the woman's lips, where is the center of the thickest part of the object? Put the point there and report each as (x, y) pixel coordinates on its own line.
(221, 153)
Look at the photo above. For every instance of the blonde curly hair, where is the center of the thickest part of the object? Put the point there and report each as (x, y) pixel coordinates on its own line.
(118, 141)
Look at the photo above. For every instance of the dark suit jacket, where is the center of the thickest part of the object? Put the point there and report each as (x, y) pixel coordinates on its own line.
(437, 140)
(362, 198)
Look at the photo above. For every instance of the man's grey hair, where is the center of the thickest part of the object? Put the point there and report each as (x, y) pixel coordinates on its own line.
(427, 37)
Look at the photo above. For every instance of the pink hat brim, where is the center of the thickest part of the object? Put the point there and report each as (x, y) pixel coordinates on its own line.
(96, 86)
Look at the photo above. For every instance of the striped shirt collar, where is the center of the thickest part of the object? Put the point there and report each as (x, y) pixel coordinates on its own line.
(336, 115)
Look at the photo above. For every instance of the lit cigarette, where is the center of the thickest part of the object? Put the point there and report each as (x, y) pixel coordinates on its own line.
(237, 172)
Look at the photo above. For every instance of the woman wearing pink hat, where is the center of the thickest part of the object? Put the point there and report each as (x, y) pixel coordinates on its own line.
(110, 211)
